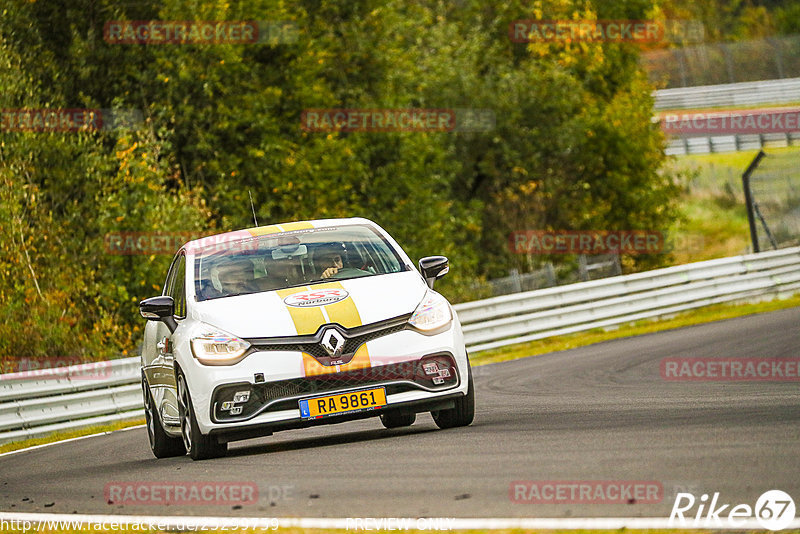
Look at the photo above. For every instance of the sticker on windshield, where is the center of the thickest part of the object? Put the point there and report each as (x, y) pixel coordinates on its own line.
(319, 297)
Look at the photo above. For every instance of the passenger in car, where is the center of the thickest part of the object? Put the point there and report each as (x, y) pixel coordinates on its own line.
(206, 290)
(236, 277)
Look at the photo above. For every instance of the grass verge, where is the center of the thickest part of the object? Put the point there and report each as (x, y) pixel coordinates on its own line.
(77, 433)
(713, 209)
(707, 314)
(504, 531)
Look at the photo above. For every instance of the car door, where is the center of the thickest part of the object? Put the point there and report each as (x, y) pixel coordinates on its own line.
(160, 369)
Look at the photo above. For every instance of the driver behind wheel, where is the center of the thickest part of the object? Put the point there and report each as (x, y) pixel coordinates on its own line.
(330, 262)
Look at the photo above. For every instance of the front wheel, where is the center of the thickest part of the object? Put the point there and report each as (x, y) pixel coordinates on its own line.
(199, 445)
(464, 411)
(162, 444)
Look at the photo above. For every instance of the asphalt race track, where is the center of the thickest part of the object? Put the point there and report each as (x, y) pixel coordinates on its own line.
(596, 413)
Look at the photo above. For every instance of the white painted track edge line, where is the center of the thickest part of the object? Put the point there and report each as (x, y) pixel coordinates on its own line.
(43, 445)
(344, 523)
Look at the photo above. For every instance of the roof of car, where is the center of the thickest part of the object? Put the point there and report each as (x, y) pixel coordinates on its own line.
(236, 235)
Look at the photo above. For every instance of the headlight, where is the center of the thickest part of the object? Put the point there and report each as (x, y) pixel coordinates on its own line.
(432, 315)
(218, 348)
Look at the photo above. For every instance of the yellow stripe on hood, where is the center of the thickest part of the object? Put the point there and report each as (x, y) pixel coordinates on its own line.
(308, 320)
(343, 312)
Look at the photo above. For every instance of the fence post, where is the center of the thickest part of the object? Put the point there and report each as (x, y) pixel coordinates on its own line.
(617, 265)
(748, 198)
(550, 272)
(583, 270)
(516, 283)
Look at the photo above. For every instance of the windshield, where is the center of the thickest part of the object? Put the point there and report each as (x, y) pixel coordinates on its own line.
(289, 259)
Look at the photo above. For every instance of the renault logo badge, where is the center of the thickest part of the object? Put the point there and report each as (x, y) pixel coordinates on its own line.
(332, 342)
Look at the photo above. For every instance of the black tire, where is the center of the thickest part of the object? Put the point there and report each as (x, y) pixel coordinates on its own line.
(199, 445)
(162, 444)
(464, 411)
(398, 419)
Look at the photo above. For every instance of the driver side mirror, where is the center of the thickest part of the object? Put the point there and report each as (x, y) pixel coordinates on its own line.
(161, 308)
(433, 268)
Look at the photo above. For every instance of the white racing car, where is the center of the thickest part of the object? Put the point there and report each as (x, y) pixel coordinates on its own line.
(293, 325)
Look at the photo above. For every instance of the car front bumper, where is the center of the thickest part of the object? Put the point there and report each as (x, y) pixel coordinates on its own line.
(395, 362)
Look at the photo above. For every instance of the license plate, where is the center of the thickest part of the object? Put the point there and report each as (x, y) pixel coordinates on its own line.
(353, 401)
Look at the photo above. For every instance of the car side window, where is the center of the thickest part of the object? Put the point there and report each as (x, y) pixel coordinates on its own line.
(178, 286)
(167, 290)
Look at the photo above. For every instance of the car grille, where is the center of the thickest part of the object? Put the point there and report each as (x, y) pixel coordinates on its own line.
(351, 344)
(354, 338)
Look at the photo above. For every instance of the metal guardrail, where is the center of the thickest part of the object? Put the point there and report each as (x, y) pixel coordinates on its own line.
(79, 396)
(67, 398)
(705, 144)
(767, 92)
(510, 319)
(785, 91)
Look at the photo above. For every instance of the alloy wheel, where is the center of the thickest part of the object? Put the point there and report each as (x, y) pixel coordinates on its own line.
(183, 405)
(148, 416)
